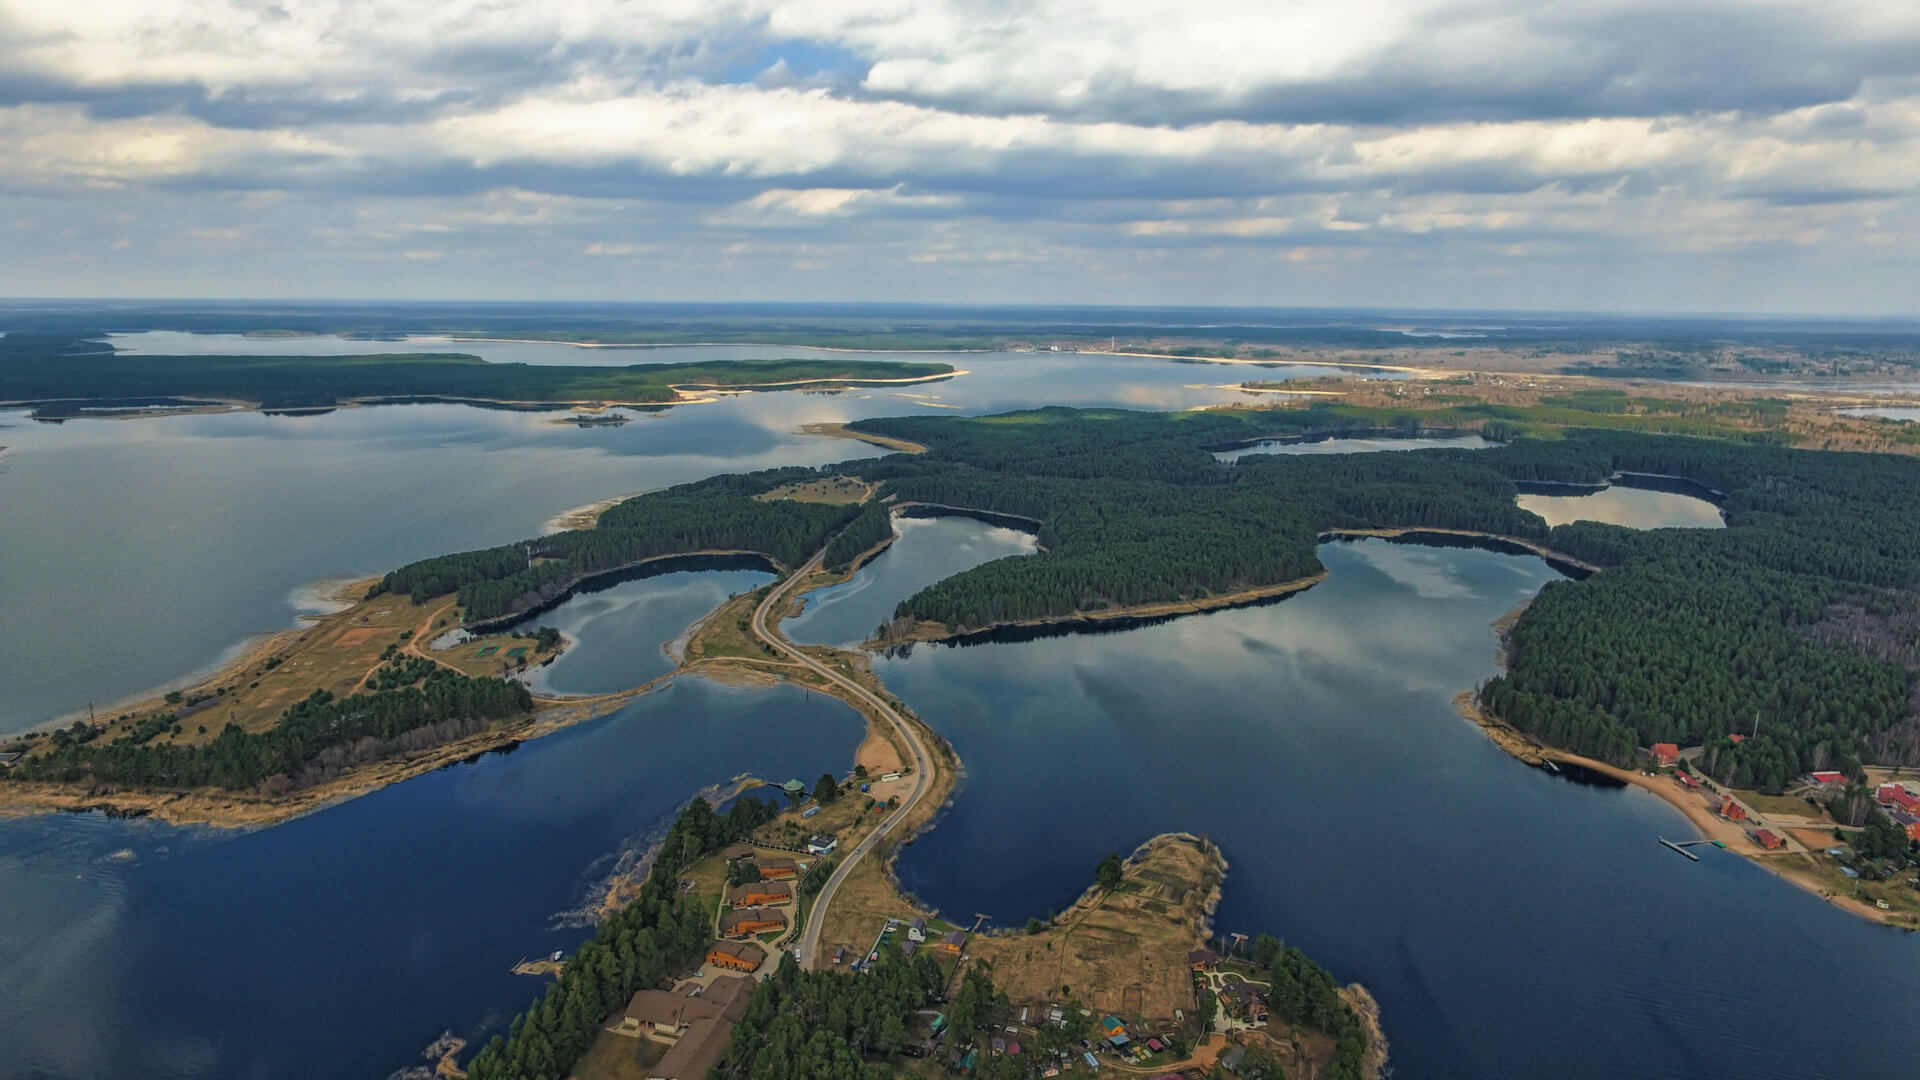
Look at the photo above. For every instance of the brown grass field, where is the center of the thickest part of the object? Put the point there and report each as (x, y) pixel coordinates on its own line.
(839, 490)
(1123, 952)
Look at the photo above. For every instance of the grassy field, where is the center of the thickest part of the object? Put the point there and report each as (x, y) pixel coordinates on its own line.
(1123, 952)
(618, 1057)
(727, 633)
(838, 490)
(1784, 805)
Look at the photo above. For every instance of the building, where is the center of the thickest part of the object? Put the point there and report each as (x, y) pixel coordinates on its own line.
(1897, 797)
(736, 852)
(809, 811)
(1243, 1001)
(775, 869)
(1665, 754)
(760, 894)
(822, 844)
(1827, 778)
(1686, 780)
(9, 759)
(1736, 739)
(794, 789)
(1731, 810)
(917, 931)
(1203, 959)
(737, 955)
(1230, 1060)
(1766, 839)
(668, 1016)
(750, 921)
(954, 942)
(1111, 1026)
(908, 948)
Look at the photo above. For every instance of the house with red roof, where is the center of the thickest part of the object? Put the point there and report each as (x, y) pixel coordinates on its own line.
(1896, 797)
(1736, 738)
(1766, 839)
(1686, 780)
(1827, 777)
(1665, 753)
(1731, 810)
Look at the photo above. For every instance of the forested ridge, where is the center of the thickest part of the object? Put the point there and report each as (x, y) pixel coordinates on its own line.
(719, 514)
(51, 368)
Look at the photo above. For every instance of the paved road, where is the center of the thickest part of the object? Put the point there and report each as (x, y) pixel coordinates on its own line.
(922, 760)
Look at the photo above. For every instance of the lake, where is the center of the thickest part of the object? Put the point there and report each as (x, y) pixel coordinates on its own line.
(1634, 502)
(1511, 923)
(340, 944)
(1356, 444)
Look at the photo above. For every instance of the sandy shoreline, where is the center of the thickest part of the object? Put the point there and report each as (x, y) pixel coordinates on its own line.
(1792, 866)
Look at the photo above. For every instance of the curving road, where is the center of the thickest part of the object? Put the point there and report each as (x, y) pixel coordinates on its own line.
(809, 947)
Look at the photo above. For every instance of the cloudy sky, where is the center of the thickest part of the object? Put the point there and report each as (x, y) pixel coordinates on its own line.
(1700, 155)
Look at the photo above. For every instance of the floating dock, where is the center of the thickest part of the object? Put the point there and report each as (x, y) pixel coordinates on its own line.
(1682, 848)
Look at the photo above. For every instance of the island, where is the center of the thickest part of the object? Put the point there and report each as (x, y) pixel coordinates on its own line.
(66, 376)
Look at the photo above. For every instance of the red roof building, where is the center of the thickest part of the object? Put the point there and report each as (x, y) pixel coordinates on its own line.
(1766, 839)
(1897, 797)
(1827, 777)
(1737, 739)
(1731, 810)
(1666, 753)
(1686, 780)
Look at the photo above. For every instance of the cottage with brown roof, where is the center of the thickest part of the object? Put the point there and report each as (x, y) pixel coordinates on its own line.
(774, 869)
(747, 922)
(737, 955)
(760, 894)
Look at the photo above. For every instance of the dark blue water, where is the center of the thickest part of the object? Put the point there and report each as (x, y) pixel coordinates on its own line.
(1511, 923)
(340, 944)
(927, 550)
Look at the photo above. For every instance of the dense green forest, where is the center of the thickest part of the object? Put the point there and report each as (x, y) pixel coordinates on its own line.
(659, 935)
(828, 1025)
(315, 739)
(56, 370)
(1688, 636)
(720, 514)
(873, 525)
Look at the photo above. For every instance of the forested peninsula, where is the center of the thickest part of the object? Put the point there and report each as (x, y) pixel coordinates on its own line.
(1790, 616)
(76, 372)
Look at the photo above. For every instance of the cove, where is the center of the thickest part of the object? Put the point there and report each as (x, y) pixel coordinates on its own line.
(925, 550)
(616, 624)
(1355, 444)
(341, 943)
(1496, 911)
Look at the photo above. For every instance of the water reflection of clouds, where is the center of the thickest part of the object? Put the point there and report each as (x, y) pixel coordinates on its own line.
(1633, 508)
(1429, 574)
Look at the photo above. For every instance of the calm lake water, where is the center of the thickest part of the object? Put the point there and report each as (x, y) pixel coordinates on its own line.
(928, 550)
(1356, 445)
(1513, 924)
(1635, 508)
(340, 944)
(619, 633)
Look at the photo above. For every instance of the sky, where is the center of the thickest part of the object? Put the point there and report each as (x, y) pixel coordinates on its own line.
(1672, 155)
